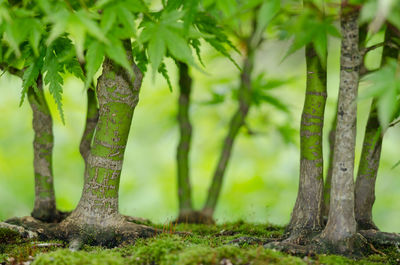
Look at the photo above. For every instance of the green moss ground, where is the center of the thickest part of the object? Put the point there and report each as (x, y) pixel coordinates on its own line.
(204, 245)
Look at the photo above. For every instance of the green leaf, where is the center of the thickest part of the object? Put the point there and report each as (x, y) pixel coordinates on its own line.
(108, 19)
(219, 47)
(174, 4)
(74, 67)
(190, 8)
(59, 20)
(321, 45)
(387, 105)
(178, 47)
(77, 33)
(128, 20)
(195, 43)
(35, 35)
(94, 58)
(396, 165)
(228, 7)
(52, 69)
(156, 51)
(383, 84)
(274, 101)
(163, 71)
(269, 9)
(30, 77)
(140, 58)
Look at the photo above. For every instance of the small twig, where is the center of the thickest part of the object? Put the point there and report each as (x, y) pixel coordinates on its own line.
(394, 123)
(371, 48)
(11, 70)
(378, 45)
(47, 244)
(376, 250)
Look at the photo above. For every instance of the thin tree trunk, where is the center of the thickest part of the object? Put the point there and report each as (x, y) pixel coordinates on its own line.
(367, 172)
(237, 121)
(341, 227)
(45, 203)
(185, 129)
(363, 32)
(307, 212)
(370, 156)
(328, 180)
(96, 218)
(92, 116)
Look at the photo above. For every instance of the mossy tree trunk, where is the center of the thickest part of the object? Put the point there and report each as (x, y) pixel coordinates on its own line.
(367, 172)
(307, 213)
(96, 219)
(340, 230)
(45, 203)
(185, 129)
(237, 121)
(370, 156)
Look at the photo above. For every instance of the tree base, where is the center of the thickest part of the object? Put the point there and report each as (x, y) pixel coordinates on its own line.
(194, 217)
(108, 233)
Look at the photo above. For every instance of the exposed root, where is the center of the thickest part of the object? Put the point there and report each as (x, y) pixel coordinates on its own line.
(302, 236)
(355, 247)
(24, 233)
(43, 231)
(292, 249)
(137, 220)
(195, 217)
(246, 240)
(381, 238)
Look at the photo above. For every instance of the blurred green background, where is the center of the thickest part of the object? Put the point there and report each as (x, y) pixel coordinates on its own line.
(262, 177)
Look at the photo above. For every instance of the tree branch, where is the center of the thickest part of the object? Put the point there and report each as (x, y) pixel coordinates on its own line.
(12, 70)
(378, 45)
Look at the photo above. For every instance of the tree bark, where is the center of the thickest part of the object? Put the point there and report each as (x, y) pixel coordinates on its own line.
(307, 212)
(370, 156)
(340, 230)
(45, 203)
(237, 121)
(185, 129)
(96, 219)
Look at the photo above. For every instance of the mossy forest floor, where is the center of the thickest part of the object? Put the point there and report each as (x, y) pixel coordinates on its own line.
(226, 244)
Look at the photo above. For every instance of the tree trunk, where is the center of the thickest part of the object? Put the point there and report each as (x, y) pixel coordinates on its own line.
(237, 121)
(96, 219)
(45, 203)
(363, 32)
(92, 116)
(370, 157)
(367, 172)
(340, 230)
(328, 179)
(307, 212)
(185, 129)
